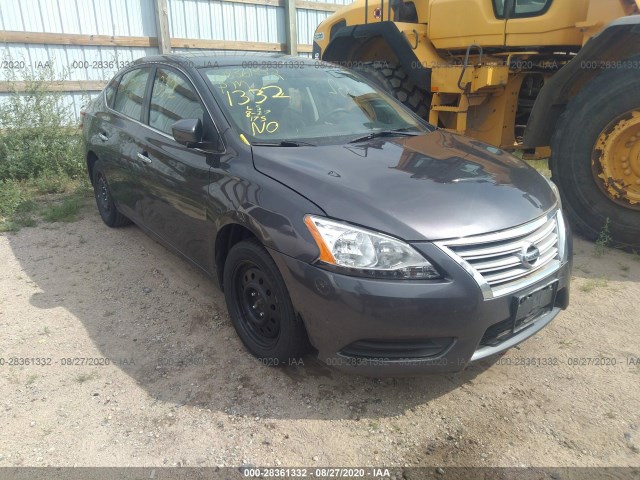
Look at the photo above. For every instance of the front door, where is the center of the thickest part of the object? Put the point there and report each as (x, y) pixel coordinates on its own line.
(176, 177)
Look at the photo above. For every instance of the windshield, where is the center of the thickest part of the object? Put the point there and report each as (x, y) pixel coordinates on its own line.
(314, 104)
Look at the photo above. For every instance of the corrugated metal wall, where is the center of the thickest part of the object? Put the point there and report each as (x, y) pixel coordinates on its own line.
(188, 19)
(91, 17)
(219, 20)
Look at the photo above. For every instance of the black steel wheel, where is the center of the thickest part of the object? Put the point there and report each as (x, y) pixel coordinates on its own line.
(259, 305)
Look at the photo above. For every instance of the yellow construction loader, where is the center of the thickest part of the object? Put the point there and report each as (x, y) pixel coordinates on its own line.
(518, 74)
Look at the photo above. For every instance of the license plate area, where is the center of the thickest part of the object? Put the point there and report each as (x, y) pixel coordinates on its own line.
(526, 308)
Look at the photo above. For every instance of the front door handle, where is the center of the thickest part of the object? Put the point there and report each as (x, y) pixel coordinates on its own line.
(143, 156)
(103, 137)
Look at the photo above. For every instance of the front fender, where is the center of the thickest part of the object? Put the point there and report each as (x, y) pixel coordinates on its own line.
(271, 211)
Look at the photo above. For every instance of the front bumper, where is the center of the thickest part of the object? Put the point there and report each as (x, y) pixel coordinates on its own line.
(402, 328)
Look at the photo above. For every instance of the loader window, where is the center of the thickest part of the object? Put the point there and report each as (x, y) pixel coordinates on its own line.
(530, 8)
(520, 8)
(498, 8)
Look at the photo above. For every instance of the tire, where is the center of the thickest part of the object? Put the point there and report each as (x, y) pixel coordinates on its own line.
(394, 80)
(104, 200)
(604, 99)
(253, 286)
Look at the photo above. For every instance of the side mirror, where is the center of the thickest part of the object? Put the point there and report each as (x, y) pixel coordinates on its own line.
(187, 131)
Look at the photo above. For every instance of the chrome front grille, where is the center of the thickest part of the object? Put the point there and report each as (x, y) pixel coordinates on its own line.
(500, 261)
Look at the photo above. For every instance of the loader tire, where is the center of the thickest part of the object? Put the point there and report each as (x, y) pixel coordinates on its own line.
(606, 106)
(394, 80)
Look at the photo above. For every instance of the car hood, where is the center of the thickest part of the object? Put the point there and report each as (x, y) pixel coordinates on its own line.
(428, 187)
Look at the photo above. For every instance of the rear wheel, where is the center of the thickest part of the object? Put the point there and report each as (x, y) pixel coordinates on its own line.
(596, 158)
(104, 200)
(260, 307)
(394, 80)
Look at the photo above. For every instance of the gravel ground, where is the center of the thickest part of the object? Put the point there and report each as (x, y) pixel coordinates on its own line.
(179, 389)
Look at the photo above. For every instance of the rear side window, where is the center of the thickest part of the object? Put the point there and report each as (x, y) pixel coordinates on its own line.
(172, 98)
(130, 93)
(110, 91)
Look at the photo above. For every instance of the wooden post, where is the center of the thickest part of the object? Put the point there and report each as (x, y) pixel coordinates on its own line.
(291, 26)
(162, 27)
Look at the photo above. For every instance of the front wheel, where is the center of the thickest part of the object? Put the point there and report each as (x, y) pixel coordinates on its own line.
(596, 158)
(259, 305)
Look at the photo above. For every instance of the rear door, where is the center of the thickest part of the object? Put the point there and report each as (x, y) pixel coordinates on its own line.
(177, 177)
(126, 181)
(101, 130)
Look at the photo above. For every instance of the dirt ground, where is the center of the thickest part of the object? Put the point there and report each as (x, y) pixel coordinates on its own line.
(179, 389)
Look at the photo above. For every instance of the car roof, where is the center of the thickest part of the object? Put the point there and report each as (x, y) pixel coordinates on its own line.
(222, 58)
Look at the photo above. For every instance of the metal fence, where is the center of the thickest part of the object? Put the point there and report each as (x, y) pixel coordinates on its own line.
(82, 43)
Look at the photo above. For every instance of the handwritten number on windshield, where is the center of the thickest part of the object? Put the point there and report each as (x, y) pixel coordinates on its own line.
(260, 122)
(260, 95)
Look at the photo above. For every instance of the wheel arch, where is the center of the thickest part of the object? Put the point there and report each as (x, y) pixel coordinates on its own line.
(227, 236)
(356, 43)
(620, 40)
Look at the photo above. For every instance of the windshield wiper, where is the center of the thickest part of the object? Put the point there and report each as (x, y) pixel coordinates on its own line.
(284, 143)
(386, 133)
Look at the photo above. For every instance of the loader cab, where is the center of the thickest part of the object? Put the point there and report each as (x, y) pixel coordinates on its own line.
(456, 24)
(542, 22)
(507, 23)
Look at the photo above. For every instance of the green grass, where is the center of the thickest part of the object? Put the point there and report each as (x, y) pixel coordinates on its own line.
(47, 184)
(40, 154)
(16, 207)
(594, 283)
(67, 211)
(84, 377)
(566, 343)
(603, 241)
(542, 166)
(25, 203)
(38, 141)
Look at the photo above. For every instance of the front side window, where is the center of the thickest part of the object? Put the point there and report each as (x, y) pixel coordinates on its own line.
(130, 94)
(309, 103)
(172, 98)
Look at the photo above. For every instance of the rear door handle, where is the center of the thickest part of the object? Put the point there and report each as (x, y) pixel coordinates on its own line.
(103, 137)
(143, 156)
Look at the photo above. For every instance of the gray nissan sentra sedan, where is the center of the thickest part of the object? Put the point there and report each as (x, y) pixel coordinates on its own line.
(332, 217)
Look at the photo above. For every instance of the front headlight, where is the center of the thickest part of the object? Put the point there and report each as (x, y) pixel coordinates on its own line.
(363, 252)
